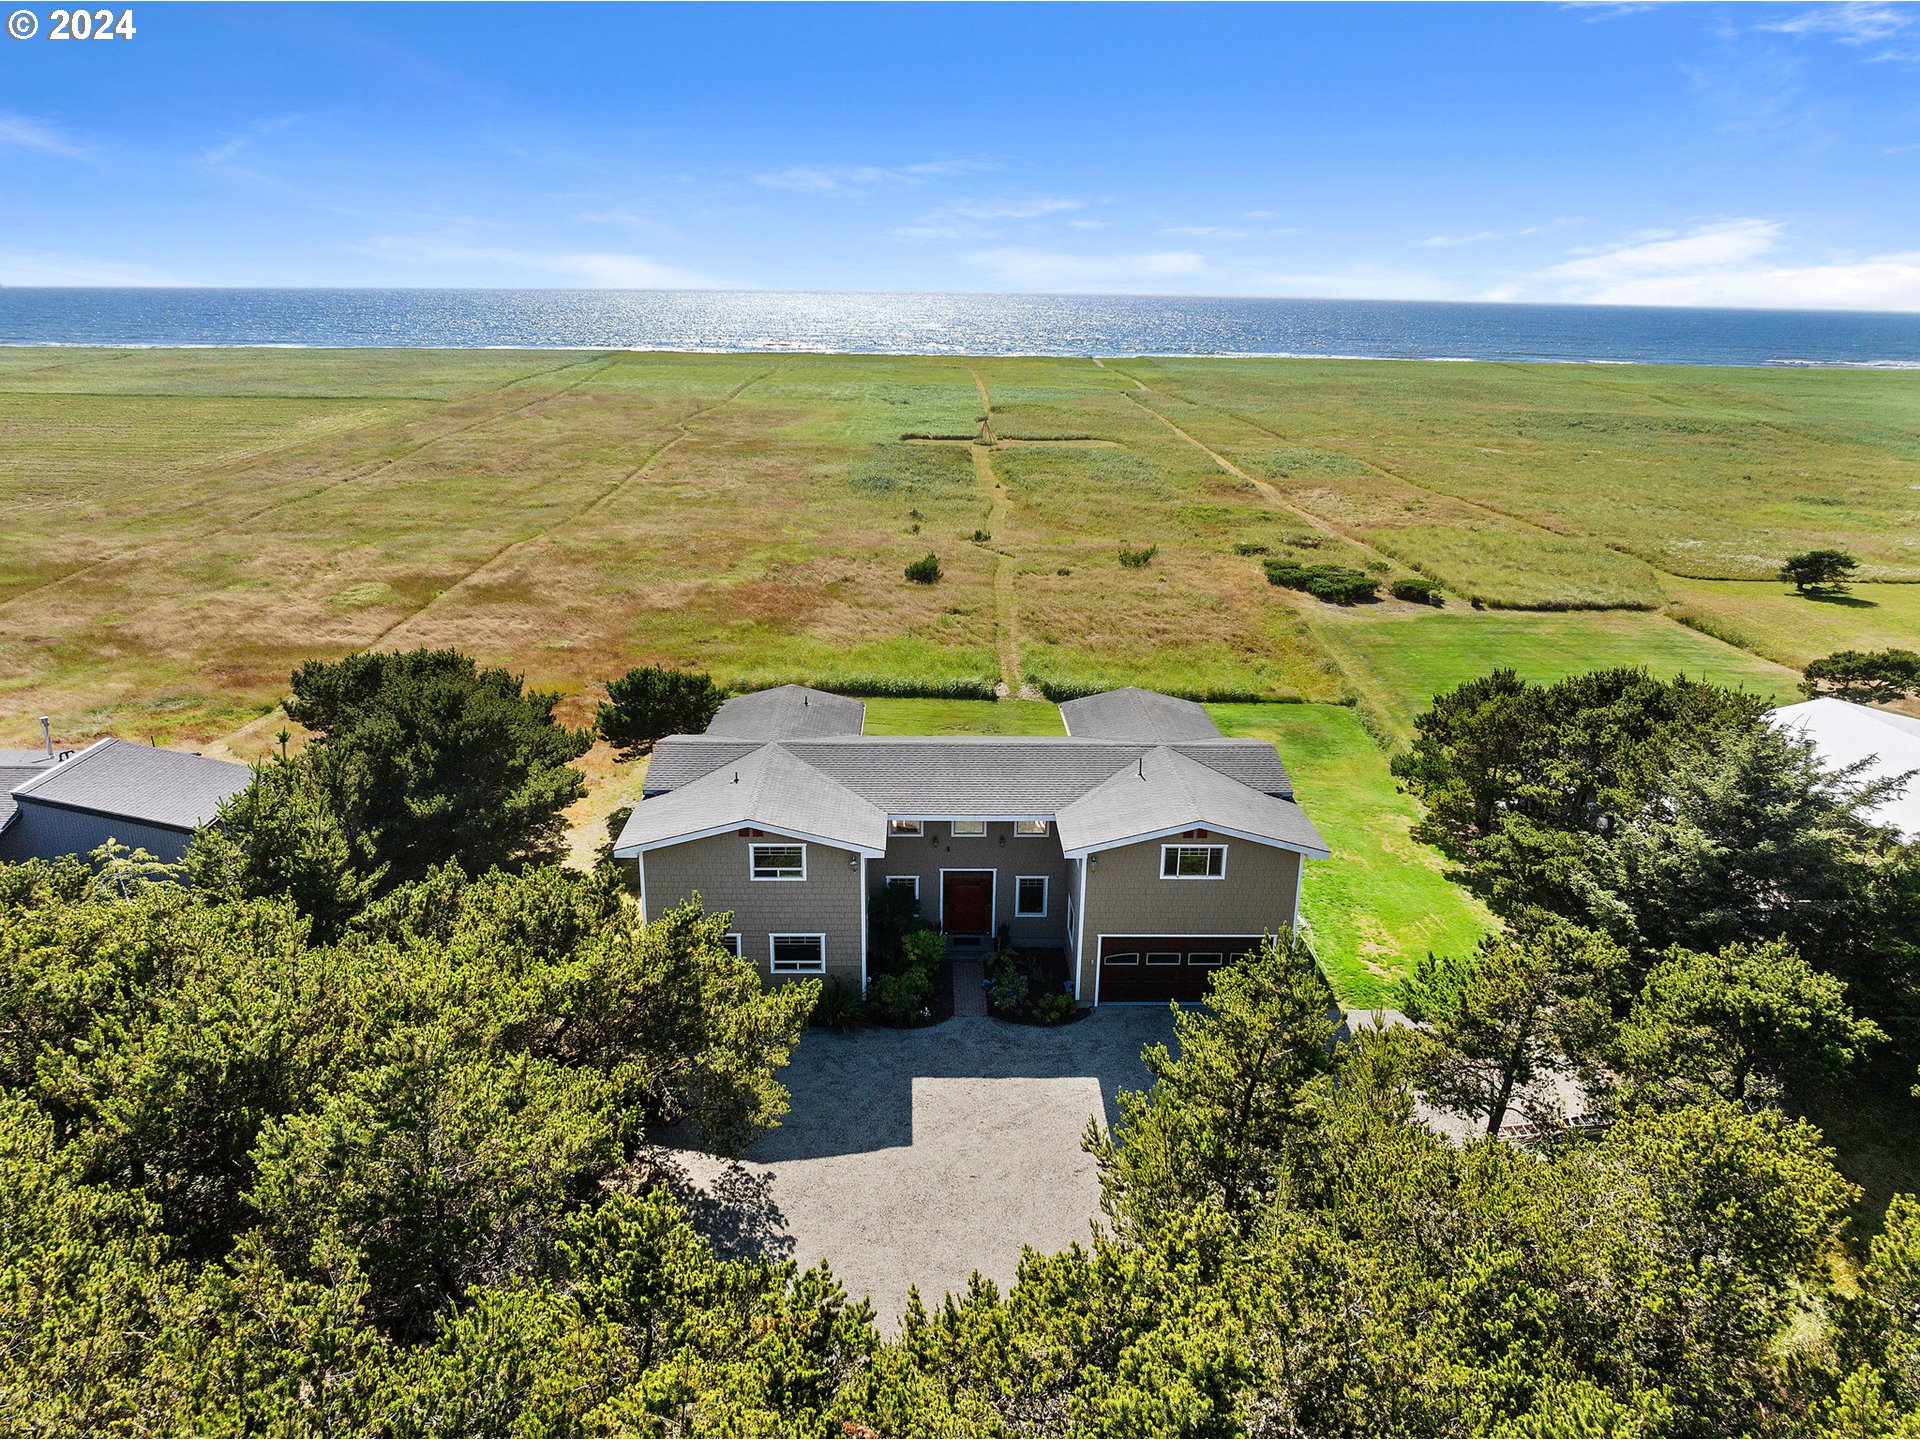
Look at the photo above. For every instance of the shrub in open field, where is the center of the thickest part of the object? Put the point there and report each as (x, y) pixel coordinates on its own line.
(1335, 584)
(1252, 547)
(1418, 589)
(925, 570)
(1138, 559)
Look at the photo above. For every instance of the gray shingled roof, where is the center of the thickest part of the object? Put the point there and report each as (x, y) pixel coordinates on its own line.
(169, 788)
(1166, 791)
(16, 768)
(844, 786)
(767, 788)
(789, 712)
(1136, 714)
(967, 775)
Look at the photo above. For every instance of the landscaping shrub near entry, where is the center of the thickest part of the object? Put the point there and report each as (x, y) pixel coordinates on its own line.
(1335, 584)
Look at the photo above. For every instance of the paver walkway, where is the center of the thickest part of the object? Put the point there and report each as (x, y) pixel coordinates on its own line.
(969, 987)
(915, 1157)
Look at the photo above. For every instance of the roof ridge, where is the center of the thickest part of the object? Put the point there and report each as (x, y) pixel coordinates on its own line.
(62, 767)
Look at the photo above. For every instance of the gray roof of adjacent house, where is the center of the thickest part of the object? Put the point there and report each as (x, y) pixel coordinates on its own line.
(16, 768)
(789, 712)
(848, 785)
(1136, 714)
(167, 788)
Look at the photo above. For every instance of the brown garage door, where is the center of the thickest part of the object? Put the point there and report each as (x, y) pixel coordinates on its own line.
(1165, 967)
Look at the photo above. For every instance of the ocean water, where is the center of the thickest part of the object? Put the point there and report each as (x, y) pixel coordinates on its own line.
(954, 324)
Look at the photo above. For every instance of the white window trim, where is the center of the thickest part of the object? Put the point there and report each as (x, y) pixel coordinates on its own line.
(959, 834)
(739, 943)
(1166, 959)
(776, 935)
(1193, 845)
(914, 878)
(1046, 897)
(753, 859)
(1046, 829)
(900, 829)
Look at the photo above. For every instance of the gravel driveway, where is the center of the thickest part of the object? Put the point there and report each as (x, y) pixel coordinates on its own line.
(915, 1157)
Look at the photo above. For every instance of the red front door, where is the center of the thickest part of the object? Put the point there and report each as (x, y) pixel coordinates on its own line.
(966, 902)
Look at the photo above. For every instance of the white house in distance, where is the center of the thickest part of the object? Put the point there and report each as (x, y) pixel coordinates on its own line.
(1844, 733)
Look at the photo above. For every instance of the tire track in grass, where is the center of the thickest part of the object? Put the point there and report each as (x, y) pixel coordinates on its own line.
(365, 470)
(1006, 631)
(683, 427)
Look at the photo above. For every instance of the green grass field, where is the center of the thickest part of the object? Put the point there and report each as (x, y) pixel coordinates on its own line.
(1397, 663)
(1382, 902)
(179, 528)
(963, 717)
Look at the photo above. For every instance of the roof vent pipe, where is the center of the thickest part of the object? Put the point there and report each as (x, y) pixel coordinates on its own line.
(46, 734)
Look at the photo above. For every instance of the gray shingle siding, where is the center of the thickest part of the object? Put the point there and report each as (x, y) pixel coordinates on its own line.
(827, 902)
(1127, 896)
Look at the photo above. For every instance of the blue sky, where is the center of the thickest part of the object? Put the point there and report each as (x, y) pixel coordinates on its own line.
(1686, 154)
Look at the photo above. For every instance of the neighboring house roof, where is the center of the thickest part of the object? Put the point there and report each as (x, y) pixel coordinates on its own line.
(1165, 792)
(167, 788)
(845, 787)
(1844, 734)
(767, 789)
(789, 712)
(1136, 714)
(16, 768)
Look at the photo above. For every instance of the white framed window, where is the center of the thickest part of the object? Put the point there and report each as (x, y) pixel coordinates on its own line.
(1163, 957)
(1204, 958)
(1030, 896)
(779, 862)
(1033, 827)
(1125, 958)
(730, 942)
(969, 827)
(1193, 862)
(908, 883)
(906, 827)
(798, 954)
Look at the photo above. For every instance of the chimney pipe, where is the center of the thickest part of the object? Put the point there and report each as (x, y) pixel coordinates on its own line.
(46, 734)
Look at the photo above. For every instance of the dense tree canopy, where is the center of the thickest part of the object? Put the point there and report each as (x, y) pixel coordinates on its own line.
(426, 757)
(1818, 572)
(1868, 676)
(650, 702)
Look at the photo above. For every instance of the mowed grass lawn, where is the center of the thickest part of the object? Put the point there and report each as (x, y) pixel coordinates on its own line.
(1766, 617)
(1397, 663)
(1383, 901)
(963, 717)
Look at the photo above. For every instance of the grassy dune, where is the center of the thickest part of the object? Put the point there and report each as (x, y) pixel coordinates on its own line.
(178, 528)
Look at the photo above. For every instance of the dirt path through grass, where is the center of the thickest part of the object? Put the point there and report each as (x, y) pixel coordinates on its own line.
(1265, 489)
(683, 429)
(364, 470)
(1006, 630)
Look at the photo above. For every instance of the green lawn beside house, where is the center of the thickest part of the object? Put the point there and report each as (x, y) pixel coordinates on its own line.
(1382, 901)
(963, 717)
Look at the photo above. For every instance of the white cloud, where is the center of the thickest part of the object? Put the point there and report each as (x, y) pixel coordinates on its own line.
(592, 268)
(27, 267)
(230, 149)
(1442, 241)
(1856, 23)
(17, 132)
(967, 219)
(1027, 268)
(1709, 247)
(854, 179)
(1729, 263)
